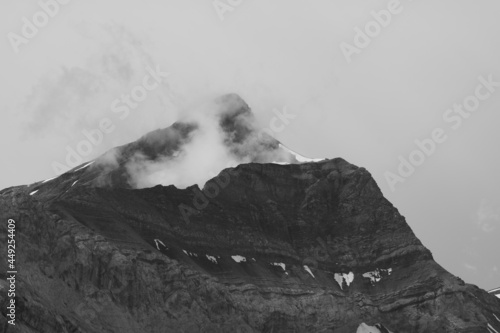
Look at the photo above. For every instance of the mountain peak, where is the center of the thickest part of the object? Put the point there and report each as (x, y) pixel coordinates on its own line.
(221, 134)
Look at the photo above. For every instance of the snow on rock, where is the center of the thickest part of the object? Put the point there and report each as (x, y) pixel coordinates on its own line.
(363, 328)
(212, 259)
(280, 264)
(493, 291)
(309, 271)
(377, 328)
(191, 254)
(281, 163)
(375, 275)
(300, 158)
(340, 278)
(348, 278)
(239, 259)
(83, 167)
(34, 192)
(491, 329)
(157, 241)
(48, 180)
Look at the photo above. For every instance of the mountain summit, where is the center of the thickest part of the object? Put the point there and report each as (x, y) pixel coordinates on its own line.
(276, 243)
(225, 133)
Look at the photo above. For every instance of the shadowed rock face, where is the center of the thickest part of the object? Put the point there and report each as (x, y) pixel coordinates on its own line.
(311, 247)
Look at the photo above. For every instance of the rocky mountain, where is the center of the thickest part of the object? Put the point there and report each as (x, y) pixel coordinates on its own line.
(278, 243)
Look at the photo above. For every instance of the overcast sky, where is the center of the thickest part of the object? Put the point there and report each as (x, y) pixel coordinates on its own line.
(365, 99)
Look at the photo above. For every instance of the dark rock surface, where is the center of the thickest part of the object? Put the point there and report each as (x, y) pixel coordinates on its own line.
(264, 247)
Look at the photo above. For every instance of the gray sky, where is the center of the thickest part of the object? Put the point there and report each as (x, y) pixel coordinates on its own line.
(368, 107)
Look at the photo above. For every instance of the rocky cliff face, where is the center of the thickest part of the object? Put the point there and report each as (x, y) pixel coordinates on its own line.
(263, 247)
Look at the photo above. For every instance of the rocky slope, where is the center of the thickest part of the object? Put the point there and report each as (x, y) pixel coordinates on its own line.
(263, 247)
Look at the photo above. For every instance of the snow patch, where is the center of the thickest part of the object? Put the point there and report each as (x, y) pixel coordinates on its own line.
(363, 328)
(48, 180)
(239, 259)
(34, 192)
(280, 264)
(349, 278)
(191, 254)
(281, 163)
(301, 158)
(377, 328)
(74, 183)
(340, 278)
(309, 271)
(157, 241)
(375, 275)
(83, 167)
(491, 329)
(496, 317)
(212, 259)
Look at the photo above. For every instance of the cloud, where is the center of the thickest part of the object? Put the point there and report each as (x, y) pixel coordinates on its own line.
(68, 99)
(214, 136)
